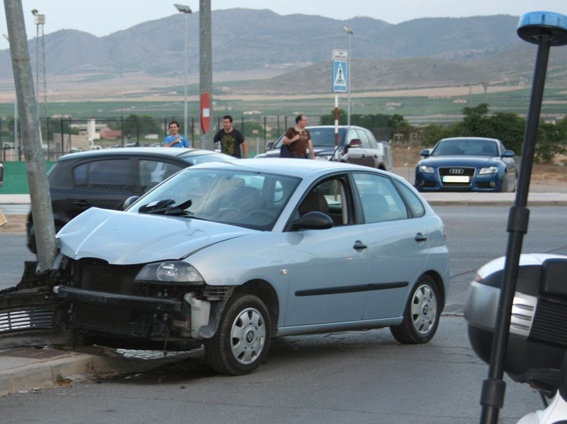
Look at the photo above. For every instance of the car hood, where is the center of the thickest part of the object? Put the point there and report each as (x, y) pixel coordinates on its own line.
(122, 238)
(474, 161)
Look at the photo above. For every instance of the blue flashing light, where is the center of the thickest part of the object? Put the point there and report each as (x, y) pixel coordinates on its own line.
(533, 25)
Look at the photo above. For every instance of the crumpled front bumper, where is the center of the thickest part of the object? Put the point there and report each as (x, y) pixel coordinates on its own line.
(71, 294)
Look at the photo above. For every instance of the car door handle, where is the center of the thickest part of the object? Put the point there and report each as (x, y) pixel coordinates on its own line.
(358, 246)
(420, 238)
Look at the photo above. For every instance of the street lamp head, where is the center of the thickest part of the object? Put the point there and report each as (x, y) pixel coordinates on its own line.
(182, 8)
(348, 30)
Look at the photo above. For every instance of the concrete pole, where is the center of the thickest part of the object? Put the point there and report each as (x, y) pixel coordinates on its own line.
(186, 68)
(206, 66)
(31, 136)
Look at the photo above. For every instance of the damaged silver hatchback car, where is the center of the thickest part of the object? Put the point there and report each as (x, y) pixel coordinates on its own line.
(230, 255)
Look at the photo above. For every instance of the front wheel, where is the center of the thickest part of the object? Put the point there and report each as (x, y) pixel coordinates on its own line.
(421, 316)
(242, 339)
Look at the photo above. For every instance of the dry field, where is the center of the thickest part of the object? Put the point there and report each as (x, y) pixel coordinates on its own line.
(143, 87)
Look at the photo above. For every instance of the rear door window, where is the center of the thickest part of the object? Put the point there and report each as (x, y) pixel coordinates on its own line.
(379, 198)
(108, 174)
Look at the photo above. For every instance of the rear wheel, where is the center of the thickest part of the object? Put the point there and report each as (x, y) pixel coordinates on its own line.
(242, 339)
(421, 316)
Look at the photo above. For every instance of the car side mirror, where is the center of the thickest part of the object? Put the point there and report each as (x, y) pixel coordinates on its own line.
(354, 143)
(425, 153)
(314, 220)
(509, 154)
(270, 145)
(129, 201)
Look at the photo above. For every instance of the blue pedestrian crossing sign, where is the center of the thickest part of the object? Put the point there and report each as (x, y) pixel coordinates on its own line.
(340, 76)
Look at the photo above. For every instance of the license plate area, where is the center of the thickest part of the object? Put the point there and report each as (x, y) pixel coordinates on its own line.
(456, 179)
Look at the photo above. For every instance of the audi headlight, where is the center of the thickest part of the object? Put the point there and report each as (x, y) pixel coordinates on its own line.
(170, 272)
(426, 169)
(324, 157)
(488, 170)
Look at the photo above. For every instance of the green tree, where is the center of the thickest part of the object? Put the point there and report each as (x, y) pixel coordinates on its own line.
(330, 118)
(437, 132)
(372, 122)
(508, 128)
(135, 126)
(397, 121)
(505, 126)
(472, 122)
(550, 141)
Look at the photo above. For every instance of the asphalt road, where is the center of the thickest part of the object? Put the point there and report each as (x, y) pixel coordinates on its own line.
(350, 377)
(476, 235)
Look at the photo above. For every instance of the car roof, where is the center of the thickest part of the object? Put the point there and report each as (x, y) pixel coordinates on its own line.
(470, 138)
(332, 126)
(285, 166)
(139, 151)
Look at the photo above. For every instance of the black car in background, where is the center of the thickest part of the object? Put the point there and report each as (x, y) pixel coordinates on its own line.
(106, 178)
(355, 145)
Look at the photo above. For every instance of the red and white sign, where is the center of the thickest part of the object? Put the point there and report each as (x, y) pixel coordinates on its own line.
(205, 112)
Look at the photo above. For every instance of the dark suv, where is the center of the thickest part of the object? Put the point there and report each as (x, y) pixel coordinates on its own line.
(106, 178)
(355, 145)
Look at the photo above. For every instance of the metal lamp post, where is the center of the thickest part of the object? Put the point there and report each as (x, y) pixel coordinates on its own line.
(185, 10)
(349, 33)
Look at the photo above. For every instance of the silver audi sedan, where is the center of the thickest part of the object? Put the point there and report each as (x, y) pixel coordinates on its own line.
(230, 255)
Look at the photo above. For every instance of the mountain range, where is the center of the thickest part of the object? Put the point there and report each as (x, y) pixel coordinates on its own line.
(294, 51)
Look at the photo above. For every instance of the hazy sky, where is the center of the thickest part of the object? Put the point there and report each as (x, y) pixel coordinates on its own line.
(103, 17)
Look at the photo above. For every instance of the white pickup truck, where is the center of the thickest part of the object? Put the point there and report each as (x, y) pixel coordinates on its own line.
(355, 145)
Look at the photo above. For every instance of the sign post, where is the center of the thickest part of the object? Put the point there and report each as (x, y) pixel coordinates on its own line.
(340, 85)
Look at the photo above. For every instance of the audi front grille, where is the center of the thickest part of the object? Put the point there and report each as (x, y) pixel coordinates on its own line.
(456, 173)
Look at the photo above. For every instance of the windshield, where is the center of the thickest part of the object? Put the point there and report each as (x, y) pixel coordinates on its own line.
(321, 137)
(466, 147)
(251, 200)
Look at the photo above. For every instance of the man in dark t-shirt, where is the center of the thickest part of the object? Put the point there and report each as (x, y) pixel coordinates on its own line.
(230, 139)
(299, 139)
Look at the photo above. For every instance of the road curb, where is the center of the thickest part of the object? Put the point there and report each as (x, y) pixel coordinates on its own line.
(29, 369)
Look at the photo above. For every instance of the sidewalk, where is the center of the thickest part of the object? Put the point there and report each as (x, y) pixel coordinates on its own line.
(493, 199)
(28, 369)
